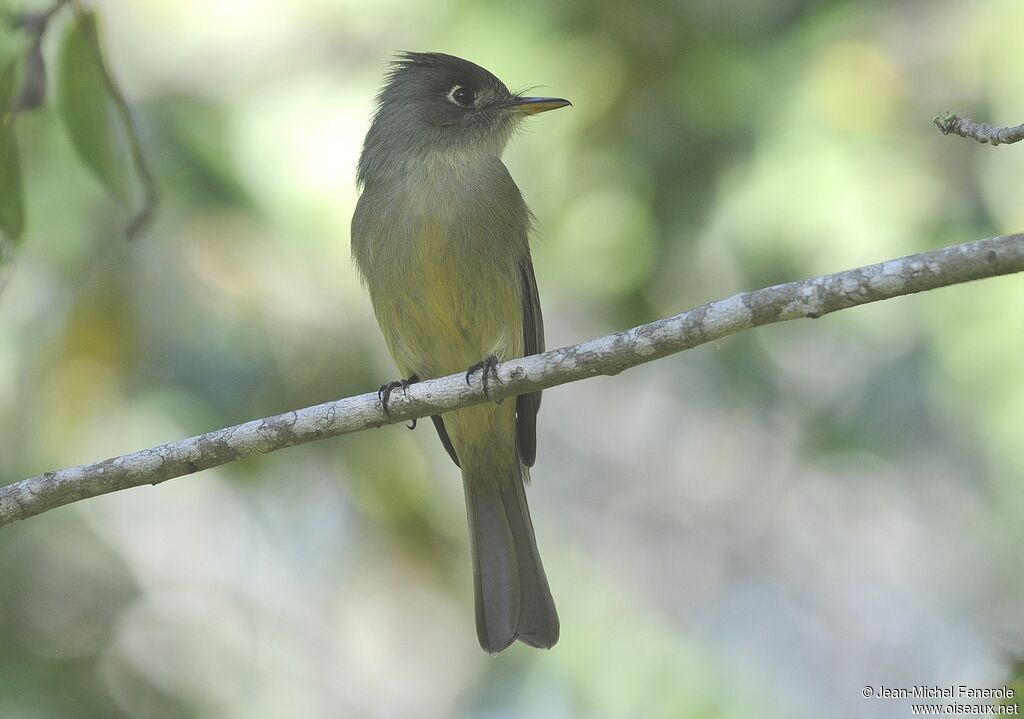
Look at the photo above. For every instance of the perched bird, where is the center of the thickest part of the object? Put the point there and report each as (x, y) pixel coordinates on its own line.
(440, 237)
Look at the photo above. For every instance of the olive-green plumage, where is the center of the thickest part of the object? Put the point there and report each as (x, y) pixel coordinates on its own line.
(440, 236)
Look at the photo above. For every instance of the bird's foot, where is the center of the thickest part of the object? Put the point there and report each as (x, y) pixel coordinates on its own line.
(385, 390)
(489, 367)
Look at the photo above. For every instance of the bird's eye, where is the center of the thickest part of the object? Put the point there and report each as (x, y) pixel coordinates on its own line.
(462, 96)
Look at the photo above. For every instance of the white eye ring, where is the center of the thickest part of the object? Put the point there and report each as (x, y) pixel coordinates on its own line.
(451, 96)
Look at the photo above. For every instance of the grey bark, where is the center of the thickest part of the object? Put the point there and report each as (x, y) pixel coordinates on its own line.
(980, 131)
(608, 355)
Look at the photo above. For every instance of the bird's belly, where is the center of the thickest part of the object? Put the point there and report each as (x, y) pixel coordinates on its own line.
(452, 305)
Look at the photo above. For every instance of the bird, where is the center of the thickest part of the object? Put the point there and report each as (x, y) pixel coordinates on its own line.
(440, 238)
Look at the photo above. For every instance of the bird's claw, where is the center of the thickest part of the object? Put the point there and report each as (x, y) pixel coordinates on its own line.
(489, 365)
(385, 390)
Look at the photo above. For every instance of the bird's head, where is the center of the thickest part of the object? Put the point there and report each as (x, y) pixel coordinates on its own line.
(437, 103)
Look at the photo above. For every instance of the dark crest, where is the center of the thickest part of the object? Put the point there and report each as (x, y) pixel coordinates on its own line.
(444, 69)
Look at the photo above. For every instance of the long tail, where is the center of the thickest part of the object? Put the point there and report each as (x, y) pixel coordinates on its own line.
(512, 596)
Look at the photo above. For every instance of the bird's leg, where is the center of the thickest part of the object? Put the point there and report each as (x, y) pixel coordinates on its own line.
(489, 365)
(385, 390)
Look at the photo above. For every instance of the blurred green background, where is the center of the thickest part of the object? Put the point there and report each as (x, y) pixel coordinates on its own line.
(757, 528)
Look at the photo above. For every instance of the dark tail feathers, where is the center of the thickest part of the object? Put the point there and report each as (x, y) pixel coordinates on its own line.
(512, 596)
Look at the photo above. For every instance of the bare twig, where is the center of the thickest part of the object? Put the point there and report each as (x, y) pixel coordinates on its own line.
(604, 356)
(980, 131)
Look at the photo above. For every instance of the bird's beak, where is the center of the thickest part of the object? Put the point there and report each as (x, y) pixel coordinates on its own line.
(533, 105)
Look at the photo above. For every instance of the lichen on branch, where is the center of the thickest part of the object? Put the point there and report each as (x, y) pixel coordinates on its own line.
(609, 355)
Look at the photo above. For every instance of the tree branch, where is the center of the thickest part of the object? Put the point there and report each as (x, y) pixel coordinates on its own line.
(980, 131)
(604, 356)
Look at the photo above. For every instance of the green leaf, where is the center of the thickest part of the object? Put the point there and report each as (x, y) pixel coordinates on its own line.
(87, 109)
(13, 41)
(12, 194)
(8, 84)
